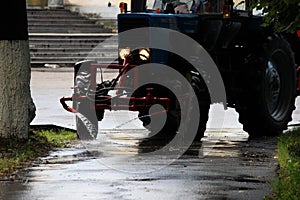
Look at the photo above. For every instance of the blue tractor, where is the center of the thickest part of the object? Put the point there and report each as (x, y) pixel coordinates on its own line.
(257, 66)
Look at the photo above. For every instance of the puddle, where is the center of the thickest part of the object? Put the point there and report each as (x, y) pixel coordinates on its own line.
(66, 156)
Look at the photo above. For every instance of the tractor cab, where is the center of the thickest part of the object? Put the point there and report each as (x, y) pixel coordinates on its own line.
(184, 6)
(212, 23)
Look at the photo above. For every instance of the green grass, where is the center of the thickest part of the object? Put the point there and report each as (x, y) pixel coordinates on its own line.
(287, 185)
(16, 154)
(59, 140)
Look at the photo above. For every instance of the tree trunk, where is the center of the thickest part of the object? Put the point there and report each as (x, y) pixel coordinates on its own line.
(17, 109)
(15, 100)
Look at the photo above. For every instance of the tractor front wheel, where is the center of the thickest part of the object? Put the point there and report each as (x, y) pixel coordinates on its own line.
(174, 117)
(86, 118)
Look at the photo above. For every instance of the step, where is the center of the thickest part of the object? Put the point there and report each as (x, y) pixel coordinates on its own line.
(61, 21)
(51, 14)
(65, 26)
(72, 40)
(34, 12)
(70, 60)
(39, 21)
(65, 40)
(56, 17)
(76, 53)
(64, 37)
(58, 30)
(70, 50)
(96, 46)
(73, 36)
(45, 9)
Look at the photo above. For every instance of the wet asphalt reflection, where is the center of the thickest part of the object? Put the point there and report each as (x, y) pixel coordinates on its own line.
(115, 166)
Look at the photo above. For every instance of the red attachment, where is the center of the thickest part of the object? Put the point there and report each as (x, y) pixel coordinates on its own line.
(135, 103)
(118, 103)
(65, 106)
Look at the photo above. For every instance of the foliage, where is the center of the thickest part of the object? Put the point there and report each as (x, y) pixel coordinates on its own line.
(283, 15)
(286, 186)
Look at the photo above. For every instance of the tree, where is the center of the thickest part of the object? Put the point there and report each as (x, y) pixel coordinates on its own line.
(283, 15)
(16, 105)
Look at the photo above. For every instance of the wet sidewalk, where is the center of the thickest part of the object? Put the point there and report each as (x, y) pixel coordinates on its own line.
(235, 170)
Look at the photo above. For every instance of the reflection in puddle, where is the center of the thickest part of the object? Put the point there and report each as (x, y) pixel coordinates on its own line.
(136, 142)
(222, 143)
(120, 149)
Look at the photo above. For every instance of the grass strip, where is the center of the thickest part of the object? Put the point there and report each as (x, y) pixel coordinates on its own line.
(17, 154)
(286, 185)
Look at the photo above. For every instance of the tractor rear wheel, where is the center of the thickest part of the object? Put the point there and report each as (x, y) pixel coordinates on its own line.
(267, 107)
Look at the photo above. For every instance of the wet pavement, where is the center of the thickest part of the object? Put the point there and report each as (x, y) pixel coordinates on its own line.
(234, 170)
(226, 165)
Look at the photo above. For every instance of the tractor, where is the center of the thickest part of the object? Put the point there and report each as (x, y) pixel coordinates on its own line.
(257, 66)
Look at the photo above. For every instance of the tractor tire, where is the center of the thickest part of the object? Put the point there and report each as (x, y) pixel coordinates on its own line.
(86, 118)
(204, 105)
(268, 101)
(171, 124)
(173, 117)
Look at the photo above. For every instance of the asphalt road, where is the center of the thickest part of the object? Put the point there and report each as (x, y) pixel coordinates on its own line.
(226, 165)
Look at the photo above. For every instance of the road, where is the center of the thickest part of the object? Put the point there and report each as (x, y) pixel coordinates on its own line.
(226, 165)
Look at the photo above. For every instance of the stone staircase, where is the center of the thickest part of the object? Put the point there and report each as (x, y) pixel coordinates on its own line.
(63, 37)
